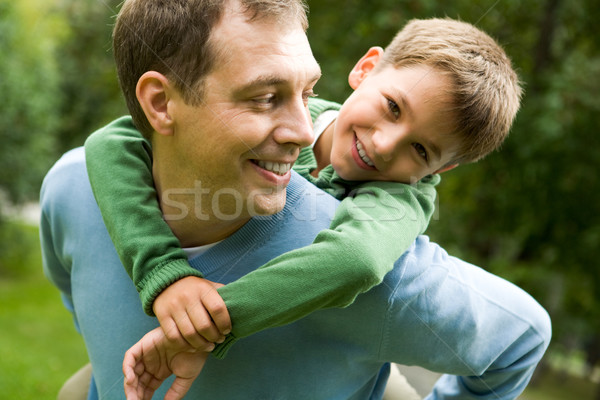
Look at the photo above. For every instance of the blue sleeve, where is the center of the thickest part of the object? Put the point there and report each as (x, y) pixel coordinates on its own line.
(446, 315)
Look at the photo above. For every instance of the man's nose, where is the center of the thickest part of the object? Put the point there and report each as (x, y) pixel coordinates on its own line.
(296, 125)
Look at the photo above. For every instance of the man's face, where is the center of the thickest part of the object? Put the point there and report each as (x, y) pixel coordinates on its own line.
(241, 141)
(394, 127)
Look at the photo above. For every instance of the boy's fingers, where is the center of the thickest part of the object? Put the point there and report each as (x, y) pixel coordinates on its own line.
(216, 285)
(217, 309)
(170, 327)
(222, 320)
(203, 324)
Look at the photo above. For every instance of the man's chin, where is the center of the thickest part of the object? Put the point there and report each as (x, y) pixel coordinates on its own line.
(262, 205)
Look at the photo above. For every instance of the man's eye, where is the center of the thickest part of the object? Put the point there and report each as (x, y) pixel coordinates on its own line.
(421, 151)
(394, 109)
(308, 94)
(266, 99)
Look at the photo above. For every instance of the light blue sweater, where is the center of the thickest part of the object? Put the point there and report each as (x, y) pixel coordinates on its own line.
(432, 310)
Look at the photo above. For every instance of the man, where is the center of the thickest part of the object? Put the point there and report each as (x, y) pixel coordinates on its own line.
(211, 125)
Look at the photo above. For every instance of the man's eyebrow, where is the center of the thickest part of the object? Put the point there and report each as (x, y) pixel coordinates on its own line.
(263, 81)
(272, 80)
(317, 75)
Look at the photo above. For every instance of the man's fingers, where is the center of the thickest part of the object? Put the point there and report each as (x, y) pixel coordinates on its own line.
(128, 368)
(131, 389)
(179, 388)
(132, 369)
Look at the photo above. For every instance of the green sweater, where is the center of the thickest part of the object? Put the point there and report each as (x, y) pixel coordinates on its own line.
(372, 228)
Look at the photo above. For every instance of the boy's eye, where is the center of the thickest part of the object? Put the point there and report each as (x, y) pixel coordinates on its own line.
(421, 151)
(394, 109)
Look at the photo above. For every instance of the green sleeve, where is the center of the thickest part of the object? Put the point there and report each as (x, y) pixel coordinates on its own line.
(371, 229)
(119, 164)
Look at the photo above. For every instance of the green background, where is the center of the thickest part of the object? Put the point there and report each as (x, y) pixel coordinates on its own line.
(529, 212)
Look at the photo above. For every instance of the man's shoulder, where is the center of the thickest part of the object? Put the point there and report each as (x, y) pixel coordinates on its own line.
(301, 194)
(69, 164)
(67, 180)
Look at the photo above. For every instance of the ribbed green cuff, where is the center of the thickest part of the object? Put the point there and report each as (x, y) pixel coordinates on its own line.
(221, 349)
(161, 278)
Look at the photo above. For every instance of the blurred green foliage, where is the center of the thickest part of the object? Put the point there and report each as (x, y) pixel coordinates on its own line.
(28, 83)
(58, 82)
(529, 212)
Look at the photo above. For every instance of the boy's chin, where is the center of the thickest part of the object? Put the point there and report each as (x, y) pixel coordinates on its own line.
(342, 171)
(349, 175)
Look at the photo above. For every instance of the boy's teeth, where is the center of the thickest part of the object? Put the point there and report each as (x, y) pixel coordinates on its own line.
(363, 154)
(275, 167)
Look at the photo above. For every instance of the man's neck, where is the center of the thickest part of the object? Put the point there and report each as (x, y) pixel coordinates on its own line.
(200, 233)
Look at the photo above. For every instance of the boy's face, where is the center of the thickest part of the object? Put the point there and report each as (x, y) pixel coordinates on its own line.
(394, 126)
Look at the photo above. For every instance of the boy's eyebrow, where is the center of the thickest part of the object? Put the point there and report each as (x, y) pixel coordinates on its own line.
(434, 148)
(403, 100)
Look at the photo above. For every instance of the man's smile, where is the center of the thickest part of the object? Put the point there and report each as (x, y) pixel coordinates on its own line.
(275, 167)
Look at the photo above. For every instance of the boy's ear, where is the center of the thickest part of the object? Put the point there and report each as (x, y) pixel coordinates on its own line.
(364, 66)
(153, 93)
(446, 168)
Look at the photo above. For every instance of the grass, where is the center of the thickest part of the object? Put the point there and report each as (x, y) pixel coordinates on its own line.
(553, 385)
(40, 347)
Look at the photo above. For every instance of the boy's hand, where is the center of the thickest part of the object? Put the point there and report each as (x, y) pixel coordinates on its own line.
(153, 359)
(192, 309)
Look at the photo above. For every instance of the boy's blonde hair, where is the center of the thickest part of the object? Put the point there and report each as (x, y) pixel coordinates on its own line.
(172, 37)
(486, 89)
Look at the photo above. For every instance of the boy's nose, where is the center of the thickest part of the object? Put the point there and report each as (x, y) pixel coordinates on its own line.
(385, 144)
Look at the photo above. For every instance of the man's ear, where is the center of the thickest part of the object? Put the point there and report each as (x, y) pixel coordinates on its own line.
(446, 168)
(364, 66)
(153, 92)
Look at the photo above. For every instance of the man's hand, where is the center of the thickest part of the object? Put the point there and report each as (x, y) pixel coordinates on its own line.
(153, 359)
(192, 309)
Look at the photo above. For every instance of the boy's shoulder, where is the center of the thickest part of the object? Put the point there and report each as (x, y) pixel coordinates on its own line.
(123, 126)
(319, 106)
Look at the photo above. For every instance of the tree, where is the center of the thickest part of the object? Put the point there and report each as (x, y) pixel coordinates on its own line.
(28, 117)
(88, 80)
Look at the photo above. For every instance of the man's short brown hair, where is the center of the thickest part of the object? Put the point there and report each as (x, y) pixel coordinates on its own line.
(172, 37)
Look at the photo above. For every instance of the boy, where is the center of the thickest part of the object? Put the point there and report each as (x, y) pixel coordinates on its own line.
(443, 93)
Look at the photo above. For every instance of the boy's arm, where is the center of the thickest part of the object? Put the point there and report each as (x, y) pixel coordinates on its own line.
(119, 165)
(370, 231)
